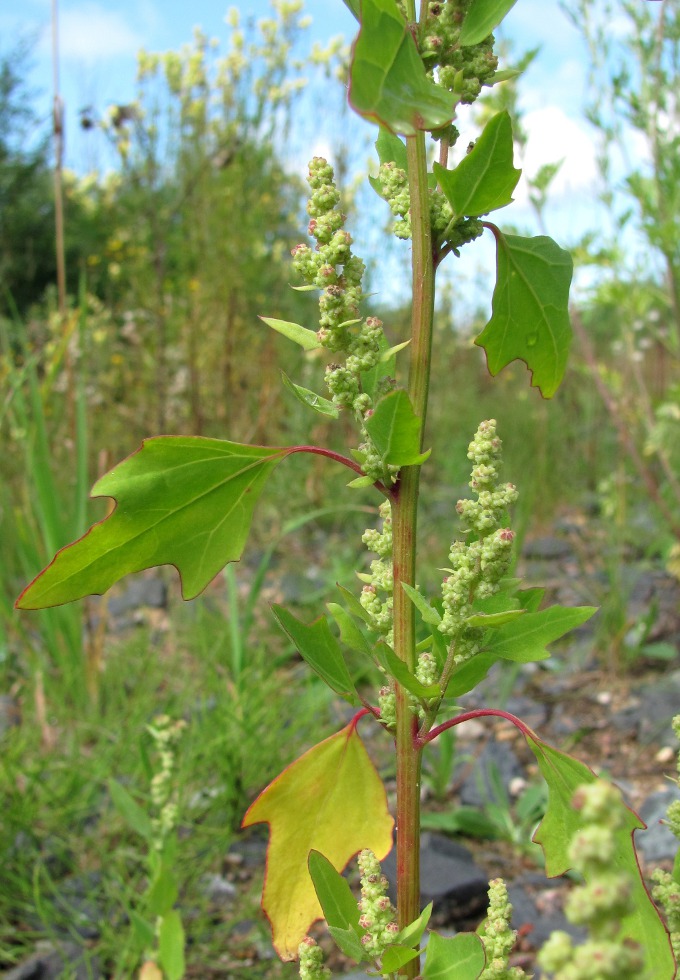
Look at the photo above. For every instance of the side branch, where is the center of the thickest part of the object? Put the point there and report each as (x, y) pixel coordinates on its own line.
(422, 740)
(339, 458)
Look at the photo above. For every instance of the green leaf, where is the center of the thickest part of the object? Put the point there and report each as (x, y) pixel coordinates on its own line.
(428, 613)
(482, 17)
(388, 356)
(350, 633)
(361, 482)
(354, 605)
(388, 82)
(564, 775)
(144, 931)
(317, 645)
(396, 956)
(470, 674)
(135, 817)
(526, 638)
(330, 800)
(339, 906)
(397, 668)
(485, 178)
(163, 892)
(530, 314)
(391, 149)
(465, 820)
(348, 941)
(354, 6)
(531, 599)
(395, 430)
(494, 620)
(460, 956)
(307, 339)
(171, 945)
(181, 500)
(309, 398)
(411, 934)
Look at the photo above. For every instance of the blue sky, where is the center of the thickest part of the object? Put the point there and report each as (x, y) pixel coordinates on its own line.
(99, 41)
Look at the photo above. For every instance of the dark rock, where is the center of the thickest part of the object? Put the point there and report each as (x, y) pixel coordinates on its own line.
(139, 591)
(659, 703)
(218, 889)
(657, 842)
(533, 713)
(537, 908)
(449, 877)
(477, 787)
(54, 962)
(249, 852)
(547, 549)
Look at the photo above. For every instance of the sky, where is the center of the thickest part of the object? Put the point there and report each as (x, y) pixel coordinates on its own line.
(99, 41)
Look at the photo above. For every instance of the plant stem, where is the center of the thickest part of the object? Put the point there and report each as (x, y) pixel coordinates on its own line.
(404, 524)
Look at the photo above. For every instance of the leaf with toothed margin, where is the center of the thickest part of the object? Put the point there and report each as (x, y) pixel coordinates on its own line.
(181, 500)
(564, 775)
(485, 178)
(388, 83)
(530, 309)
(330, 800)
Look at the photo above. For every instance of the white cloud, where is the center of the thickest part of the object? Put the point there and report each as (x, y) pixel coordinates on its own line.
(90, 33)
(554, 136)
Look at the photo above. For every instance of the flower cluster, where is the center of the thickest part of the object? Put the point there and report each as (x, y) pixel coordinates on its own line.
(463, 70)
(332, 267)
(498, 937)
(479, 564)
(602, 903)
(166, 735)
(666, 889)
(380, 579)
(394, 189)
(311, 961)
(378, 915)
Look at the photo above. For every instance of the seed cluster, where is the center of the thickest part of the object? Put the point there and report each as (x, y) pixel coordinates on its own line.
(166, 735)
(378, 915)
(602, 903)
(478, 565)
(311, 961)
(498, 936)
(333, 268)
(666, 889)
(462, 70)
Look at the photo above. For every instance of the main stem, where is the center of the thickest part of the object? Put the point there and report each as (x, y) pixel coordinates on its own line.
(404, 522)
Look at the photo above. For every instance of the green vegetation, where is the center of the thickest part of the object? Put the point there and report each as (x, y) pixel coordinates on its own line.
(162, 335)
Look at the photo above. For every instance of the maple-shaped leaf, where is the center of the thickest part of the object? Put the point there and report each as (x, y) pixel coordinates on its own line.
(564, 775)
(180, 500)
(388, 82)
(485, 178)
(530, 309)
(330, 800)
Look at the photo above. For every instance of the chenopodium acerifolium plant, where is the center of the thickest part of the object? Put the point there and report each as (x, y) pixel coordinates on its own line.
(190, 502)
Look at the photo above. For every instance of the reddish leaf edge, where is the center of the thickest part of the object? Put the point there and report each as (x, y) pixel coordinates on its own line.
(349, 728)
(282, 451)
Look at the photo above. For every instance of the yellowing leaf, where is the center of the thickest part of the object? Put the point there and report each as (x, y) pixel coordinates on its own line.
(150, 971)
(330, 800)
